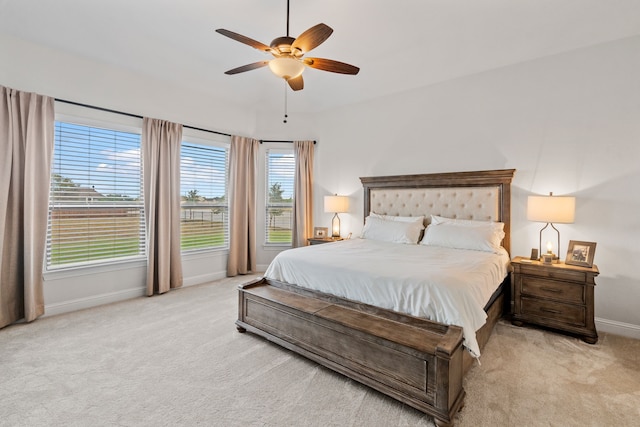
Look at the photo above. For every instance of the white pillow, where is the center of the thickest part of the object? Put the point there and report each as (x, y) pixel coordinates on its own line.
(472, 222)
(449, 235)
(419, 219)
(392, 231)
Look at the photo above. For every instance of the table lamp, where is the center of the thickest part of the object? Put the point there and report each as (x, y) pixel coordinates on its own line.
(551, 209)
(336, 204)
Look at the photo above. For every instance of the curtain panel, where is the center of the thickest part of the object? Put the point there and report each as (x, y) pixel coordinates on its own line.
(161, 176)
(303, 193)
(243, 166)
(26, 150)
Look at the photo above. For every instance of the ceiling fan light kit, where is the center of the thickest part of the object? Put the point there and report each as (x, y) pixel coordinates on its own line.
(286, 67)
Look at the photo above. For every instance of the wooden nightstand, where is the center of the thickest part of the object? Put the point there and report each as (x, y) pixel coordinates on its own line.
(558, 296)
(320, 240)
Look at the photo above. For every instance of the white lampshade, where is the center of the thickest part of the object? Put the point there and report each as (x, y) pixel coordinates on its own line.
(286, 68)
(336, 204)
(554, 209)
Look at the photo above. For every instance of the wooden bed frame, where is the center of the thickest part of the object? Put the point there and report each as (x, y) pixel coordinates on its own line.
(416, 361)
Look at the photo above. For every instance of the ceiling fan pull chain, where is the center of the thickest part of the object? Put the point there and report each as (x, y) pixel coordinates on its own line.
(285, 103)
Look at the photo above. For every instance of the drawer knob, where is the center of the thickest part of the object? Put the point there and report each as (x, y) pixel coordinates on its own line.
(555, 290)
(548, 310)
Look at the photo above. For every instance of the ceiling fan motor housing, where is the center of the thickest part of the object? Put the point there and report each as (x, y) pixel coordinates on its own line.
(282, 46)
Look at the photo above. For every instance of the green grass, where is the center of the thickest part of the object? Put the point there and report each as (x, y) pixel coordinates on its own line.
(85, 249)
(84, 238)
(201, 234)
(279, 235)
(73, 241)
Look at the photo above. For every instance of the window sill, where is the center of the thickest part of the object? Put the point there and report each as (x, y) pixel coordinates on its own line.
(276, 246)
(204, 253)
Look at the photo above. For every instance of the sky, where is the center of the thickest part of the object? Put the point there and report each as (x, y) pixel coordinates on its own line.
(281, 170)
(106, 160)
(109, 162)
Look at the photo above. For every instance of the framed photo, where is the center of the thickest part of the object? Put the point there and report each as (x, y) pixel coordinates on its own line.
(320, 232)
(580, 253)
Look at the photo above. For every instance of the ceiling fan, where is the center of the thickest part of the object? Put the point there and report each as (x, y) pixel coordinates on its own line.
(288, 62)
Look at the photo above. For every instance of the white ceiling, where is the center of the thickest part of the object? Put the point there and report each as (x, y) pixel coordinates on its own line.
(398, 45)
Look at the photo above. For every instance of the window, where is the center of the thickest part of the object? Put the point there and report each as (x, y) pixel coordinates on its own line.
(279, 205)
(204, 208)
(96, 209)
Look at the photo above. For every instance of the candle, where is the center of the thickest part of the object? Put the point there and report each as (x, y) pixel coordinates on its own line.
(549, 248)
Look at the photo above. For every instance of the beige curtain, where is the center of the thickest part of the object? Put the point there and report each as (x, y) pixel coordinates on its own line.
(303, 193)
(26, 149)
(161, 165)
(243, 164)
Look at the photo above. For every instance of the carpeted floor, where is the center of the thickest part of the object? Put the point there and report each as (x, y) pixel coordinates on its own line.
(177, 360)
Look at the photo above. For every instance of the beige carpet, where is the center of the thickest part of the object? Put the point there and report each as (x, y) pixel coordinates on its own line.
(177, 360)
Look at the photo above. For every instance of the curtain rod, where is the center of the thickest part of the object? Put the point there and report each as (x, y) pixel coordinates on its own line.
(275, 140)
(134, 115)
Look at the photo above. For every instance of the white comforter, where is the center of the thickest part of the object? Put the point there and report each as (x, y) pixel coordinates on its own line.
(450, 286)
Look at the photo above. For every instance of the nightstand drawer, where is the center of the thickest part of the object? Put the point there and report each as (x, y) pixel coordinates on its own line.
(552, 273)
(561, 291)
(554, 311)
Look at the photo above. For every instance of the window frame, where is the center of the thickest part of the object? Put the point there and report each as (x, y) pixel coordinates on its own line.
(267, 191)
(196, 137)
(87, 117)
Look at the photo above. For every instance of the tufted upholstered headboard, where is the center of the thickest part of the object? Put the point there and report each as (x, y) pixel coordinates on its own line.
(482, 195)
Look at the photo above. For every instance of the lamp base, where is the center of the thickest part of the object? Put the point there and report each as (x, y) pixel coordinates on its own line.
(335, 226)
(548, 258)
(555, 259)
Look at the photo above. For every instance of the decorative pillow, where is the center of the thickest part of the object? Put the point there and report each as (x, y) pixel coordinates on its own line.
(392, 231)
(499, 226)
(419, 219)
(449, 235)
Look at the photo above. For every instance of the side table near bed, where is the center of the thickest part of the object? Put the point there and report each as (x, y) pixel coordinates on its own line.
(320, 240)
(557, 296)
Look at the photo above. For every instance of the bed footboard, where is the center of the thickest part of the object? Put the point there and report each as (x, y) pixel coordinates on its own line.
(415, 361)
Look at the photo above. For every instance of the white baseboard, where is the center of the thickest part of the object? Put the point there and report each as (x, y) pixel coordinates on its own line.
(107, 298)
(204, 278)
(618, 328)
(92, 301)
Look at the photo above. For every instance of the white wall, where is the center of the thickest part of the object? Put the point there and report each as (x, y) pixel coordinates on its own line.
(49, 72)
(568, 123)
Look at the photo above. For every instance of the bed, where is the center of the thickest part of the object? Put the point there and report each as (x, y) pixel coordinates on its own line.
(405, 355)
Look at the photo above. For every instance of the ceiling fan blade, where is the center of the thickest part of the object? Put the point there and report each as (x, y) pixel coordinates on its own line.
(243, 39)
(312, 38)
(331, 65)
(296, 83)
(247, 67)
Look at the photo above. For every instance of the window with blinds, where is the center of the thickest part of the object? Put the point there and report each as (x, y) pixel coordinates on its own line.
(279, 204)
(204, 206)
(96, 208)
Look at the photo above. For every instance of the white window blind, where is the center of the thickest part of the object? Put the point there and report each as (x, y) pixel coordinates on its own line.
(279, 204)
(96, 208)
(204, 206)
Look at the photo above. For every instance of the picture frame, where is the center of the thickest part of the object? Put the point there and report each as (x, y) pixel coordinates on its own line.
(534, 254)
(320, 232)
(580, 253)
